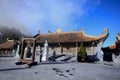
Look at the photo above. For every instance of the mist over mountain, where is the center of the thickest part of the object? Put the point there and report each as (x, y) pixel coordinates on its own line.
(11, 33)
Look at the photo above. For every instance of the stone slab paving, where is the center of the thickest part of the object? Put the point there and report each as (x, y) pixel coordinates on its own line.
(59, 71)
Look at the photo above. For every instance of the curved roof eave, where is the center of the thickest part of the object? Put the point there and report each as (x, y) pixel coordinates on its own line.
(69, 37)
(7, 45)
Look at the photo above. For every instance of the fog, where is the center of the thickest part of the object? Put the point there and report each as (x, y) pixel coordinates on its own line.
(30, 16)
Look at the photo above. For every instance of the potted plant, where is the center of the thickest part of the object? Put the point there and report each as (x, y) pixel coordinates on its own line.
(82, 54)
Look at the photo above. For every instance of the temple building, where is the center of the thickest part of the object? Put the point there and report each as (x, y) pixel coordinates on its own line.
(59, 43)
(69, 42)
(112, 52)
(8, 48)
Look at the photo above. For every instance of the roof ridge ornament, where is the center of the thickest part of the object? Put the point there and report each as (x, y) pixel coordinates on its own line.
(82, 30)
(59, 30)
(106, 30)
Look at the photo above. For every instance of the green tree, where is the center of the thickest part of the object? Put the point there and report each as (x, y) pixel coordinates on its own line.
(82, 54)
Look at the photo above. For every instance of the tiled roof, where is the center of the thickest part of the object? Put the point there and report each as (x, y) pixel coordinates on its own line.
(67, 37)
(7, 45)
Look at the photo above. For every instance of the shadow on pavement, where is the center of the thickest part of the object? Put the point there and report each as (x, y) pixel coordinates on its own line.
(10, 69)
(52, 62)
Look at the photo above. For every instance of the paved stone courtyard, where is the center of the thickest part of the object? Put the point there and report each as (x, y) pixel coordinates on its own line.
(59, 71)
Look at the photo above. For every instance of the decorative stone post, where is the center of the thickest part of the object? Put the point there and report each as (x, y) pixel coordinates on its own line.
(17, 52)
(60, 49)
(45, 54)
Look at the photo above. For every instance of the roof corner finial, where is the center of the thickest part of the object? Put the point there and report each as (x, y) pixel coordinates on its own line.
(106, 30)
(82, 30)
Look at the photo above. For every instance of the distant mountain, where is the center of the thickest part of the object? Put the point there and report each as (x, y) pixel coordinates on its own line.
(11, 33)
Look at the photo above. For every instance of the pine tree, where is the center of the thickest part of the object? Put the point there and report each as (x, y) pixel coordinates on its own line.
(82, 54)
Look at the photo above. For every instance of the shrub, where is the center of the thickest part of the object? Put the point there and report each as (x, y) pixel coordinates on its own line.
(82, 54)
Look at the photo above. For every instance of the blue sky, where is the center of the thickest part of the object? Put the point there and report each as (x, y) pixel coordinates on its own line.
(30, 16)
(106, 14)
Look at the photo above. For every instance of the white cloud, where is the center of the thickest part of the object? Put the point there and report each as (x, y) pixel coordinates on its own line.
(43, 15)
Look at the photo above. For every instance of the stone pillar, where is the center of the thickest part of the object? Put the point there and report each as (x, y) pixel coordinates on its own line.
(93, 50)
(61, 49)
(17, 52)
(93, 43)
